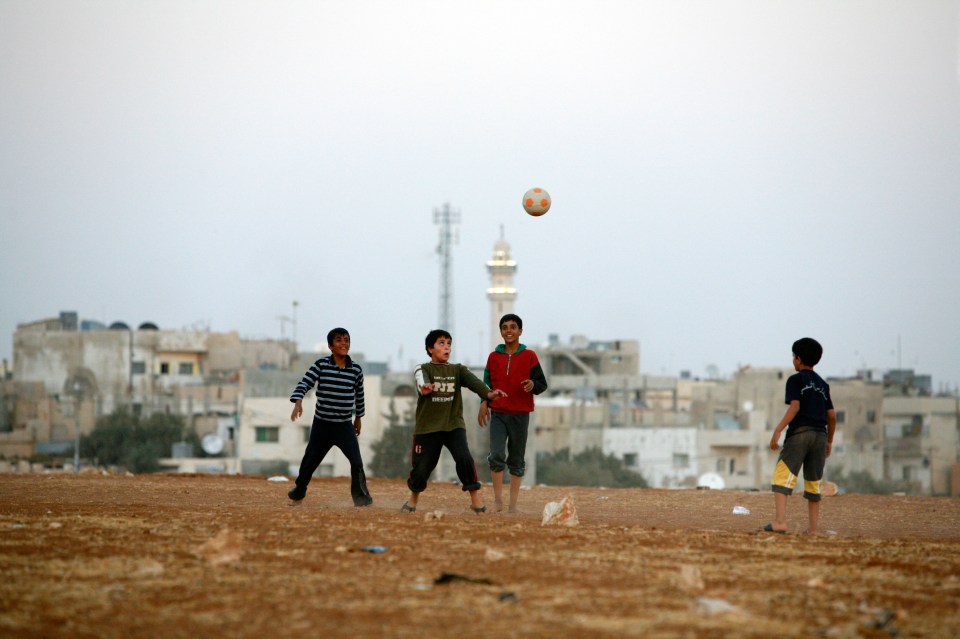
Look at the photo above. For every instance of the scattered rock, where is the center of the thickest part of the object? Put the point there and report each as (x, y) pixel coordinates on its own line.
(494, 555)
(691, 578)
(225, 548)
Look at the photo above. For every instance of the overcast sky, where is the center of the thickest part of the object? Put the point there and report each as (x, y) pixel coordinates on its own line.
(726, 176)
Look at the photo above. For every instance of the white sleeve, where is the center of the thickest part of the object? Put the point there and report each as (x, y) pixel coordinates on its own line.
(418, 375)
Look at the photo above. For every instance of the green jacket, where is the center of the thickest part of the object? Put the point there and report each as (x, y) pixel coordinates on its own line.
(443, 408)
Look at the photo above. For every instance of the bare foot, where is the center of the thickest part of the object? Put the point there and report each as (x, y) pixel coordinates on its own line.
(514, 509)
(498, 505)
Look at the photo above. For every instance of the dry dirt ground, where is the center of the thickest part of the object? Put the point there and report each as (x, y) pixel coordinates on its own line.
(204, 556)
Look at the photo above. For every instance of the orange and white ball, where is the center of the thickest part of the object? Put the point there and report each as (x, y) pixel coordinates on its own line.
(536, 202)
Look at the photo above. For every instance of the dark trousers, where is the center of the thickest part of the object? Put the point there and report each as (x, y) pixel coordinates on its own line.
(323, 436)
(508, 442)
(426, 454)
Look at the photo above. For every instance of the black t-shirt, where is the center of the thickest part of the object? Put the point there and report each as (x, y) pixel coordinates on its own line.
(814, 396)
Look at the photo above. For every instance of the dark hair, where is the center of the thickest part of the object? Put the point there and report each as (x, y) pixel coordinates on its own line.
(808, 350)
(433, 336)
(335, 333)
(511, 316)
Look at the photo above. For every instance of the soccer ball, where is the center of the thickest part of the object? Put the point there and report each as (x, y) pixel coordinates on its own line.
(536, 202)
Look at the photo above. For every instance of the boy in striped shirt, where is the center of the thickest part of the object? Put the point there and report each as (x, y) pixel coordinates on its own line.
(339, 382)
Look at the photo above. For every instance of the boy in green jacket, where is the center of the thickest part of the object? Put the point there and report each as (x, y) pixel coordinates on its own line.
(439, 420)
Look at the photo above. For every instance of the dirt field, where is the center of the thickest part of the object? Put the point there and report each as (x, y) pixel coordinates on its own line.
(204, 556)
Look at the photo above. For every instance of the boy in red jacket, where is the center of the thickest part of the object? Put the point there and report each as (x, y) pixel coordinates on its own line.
(515, 370)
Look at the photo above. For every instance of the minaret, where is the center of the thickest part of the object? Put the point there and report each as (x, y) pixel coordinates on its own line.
(501, 292)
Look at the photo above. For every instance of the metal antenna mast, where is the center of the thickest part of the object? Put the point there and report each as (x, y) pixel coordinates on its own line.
(446, 219)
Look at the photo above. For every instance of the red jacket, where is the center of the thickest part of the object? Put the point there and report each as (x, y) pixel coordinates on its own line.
(507, 373)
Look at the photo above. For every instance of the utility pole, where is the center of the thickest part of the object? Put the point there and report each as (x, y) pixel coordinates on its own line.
(78, 402)
(294, 322)
(446, 219)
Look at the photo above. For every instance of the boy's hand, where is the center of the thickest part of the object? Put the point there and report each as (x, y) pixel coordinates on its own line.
(527, 385)
(426, 389)
(492, 395)
(775, 441)
(297, 410)
(356, 425)
(829, 447)
(483, 417)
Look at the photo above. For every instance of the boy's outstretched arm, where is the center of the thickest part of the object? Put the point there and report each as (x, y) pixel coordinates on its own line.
(787, 418)
(831, 429)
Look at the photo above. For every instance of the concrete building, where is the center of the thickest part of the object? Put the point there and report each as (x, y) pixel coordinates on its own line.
(920, 441)
(67, 373)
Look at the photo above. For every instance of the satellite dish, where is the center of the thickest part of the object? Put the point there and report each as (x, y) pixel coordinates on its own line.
(713, 481)
(748, 406)
(212, 444)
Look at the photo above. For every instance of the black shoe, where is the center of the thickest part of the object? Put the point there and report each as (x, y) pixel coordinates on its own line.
(297, 493)
(363, 501)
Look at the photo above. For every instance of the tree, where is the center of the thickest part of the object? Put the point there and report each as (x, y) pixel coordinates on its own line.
(588, 468)
(391, 453)
(124, 439)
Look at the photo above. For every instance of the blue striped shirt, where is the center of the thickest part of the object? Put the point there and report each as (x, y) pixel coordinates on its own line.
(339, 390)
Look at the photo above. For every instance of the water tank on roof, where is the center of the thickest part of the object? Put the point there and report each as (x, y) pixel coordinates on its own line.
(119, 326)
(68, 320)
(148, 326)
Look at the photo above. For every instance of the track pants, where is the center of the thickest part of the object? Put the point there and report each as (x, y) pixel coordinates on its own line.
(323, 436)
(426, 454)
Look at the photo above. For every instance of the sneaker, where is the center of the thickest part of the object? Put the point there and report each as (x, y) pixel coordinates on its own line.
(363, 501)
(297, 493)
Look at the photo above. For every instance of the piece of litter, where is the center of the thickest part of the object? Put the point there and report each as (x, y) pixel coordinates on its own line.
(447, 577)
(277, 478)
(712, 606)
(374, 549)
(562, 513)
(740, 510)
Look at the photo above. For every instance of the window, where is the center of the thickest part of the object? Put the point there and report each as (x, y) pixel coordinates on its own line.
(269, 434)
(911, 430)
(841, 416)
(732, 464)
(630, 459)
(164, 368)
(721, 464)
(681, 460)
(186, 368)
(138, 368)
(871, 417)
(907, 473)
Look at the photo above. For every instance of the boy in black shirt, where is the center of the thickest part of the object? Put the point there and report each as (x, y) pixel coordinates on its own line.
(812, 423)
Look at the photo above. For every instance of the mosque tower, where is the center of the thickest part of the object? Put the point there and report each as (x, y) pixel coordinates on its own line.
(501, 292)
